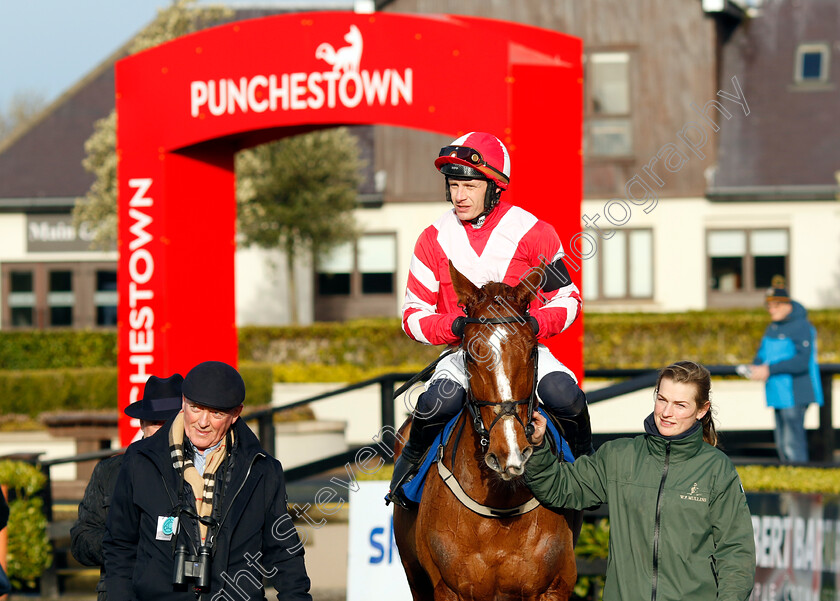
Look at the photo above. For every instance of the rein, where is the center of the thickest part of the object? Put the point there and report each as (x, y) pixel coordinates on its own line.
(424, 372)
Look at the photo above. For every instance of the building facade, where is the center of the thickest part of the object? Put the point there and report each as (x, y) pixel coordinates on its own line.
(711, 164)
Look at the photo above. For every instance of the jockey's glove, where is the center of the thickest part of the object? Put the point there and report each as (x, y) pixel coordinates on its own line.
(458, 326)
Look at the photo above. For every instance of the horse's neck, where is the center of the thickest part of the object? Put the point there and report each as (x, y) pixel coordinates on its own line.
(477, 480)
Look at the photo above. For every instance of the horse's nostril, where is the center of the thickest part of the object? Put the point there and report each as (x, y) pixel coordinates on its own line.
(492, 461)
(526, 454)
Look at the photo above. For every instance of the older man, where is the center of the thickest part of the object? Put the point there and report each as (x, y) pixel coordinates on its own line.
(200, 508)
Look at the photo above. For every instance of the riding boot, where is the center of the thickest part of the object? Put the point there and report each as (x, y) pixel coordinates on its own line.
(582, 443)
(422, 433)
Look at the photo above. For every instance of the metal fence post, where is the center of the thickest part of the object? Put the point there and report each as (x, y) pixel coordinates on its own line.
(48, 582)
(386, 388)
(826, 451)
(266, 428)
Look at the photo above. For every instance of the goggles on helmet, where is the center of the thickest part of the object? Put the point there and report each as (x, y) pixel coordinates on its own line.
(471, 156)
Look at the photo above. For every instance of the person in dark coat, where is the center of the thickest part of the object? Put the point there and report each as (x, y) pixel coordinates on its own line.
(5, 584)
(199, 510)
(4, 511)
(161, 401)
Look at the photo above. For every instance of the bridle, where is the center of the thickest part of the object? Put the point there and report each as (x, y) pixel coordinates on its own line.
(507, 407)
(474, 407)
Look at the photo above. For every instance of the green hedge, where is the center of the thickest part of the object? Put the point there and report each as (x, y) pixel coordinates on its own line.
(54, 349)
(786, 478)
(32, 392)
(363, 343)
(611, 340)
(29, 547)
(360, 349)
(713, 337)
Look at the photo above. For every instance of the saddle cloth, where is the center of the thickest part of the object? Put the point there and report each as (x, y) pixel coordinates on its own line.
(413, 489)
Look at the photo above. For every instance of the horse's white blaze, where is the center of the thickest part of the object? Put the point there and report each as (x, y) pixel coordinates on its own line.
(502, 380)
(514, 458)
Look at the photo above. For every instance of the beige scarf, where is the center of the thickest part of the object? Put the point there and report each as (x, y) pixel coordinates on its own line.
(202, 486)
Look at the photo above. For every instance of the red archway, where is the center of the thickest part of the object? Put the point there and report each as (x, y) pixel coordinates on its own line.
(184, 108)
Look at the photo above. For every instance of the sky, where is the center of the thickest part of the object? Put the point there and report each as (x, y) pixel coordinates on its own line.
(46, 46)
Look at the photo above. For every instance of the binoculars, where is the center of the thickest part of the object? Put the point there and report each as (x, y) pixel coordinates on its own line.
(193, 567)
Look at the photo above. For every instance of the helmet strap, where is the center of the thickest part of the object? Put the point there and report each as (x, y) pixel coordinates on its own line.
(491, 199)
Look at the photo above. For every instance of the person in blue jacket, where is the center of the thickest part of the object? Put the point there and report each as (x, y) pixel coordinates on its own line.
(787, 363)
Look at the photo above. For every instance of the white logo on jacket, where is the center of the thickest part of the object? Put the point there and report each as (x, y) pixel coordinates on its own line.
(692, 495)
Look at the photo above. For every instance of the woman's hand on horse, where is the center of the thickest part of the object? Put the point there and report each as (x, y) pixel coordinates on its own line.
(539, 429)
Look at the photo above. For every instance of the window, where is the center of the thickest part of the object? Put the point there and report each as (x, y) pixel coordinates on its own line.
(377, 264)
(358, 279)
(621, 268)
(607, 123)
(105, 297)
(60, 298)
(811, 63)
(334, 271)
(21, 298)
(59, 295)
(742, 264)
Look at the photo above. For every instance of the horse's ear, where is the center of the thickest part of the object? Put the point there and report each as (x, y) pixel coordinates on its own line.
(531, 284)
(464, 289)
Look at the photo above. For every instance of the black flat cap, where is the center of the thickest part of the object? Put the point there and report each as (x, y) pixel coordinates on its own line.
(161, 399)
(214, 384)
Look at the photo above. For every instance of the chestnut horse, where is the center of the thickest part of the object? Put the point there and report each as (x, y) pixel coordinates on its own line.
(495, 543)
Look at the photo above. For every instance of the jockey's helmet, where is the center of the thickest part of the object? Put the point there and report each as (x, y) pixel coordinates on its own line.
(477, 155)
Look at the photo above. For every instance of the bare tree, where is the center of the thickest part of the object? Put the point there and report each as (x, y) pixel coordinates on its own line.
(98, 208)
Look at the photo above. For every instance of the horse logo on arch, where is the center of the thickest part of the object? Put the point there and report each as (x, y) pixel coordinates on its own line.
(346, 58)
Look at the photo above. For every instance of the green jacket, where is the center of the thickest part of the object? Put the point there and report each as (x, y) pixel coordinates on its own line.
(680, 527)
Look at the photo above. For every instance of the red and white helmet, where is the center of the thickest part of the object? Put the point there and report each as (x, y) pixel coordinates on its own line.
(476, 155)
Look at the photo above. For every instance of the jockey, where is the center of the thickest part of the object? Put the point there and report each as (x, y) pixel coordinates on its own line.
(487, 240)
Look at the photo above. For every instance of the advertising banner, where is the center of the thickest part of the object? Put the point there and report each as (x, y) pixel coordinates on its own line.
(797, 545)
(374, 570)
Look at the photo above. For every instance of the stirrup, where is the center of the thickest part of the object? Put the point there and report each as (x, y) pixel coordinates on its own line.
(396, 496)
(398, 499)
